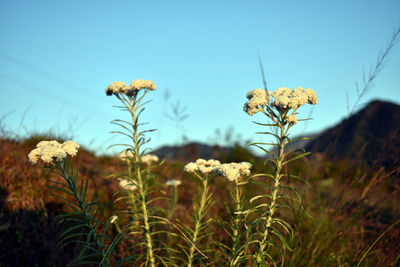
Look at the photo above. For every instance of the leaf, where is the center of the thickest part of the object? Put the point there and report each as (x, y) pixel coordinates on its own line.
(263, 124)
(258, 197)
(266, 151)
(297, 157)
(301, 179)
(284, 225)
(281, 237)
(262, 175)
(122, 133)
(72, 228)
(293, 190)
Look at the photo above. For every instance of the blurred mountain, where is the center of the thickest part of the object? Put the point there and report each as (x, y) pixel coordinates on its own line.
(192, 151)
(371, 135)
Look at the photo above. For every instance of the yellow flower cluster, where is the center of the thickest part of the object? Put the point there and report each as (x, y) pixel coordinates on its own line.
(234, 171)
(48, 151)
(257, 98)
(121, 88)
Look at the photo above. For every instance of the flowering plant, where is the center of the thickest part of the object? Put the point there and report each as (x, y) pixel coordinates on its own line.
(268, 230)
(257, 230)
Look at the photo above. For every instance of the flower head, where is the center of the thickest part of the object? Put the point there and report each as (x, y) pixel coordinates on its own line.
(50, 151)
(115, 88)
(281, 101)
(282, 91)
(291, 119)
(190, 167)
(312, 96)
(257, 99)
(257, 93)
(285, 98)
(127, 185)
(202, 166)
(149, 159)
(126, 155)
(234, 171)
(136, 85)
(70, 147)
(173, 182)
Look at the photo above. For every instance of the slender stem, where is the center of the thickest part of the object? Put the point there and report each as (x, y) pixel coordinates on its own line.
(141, 185)
(132, 198)
(173, 200)
(237, 218)
(272, 207)
(145, 218)
(198, 218)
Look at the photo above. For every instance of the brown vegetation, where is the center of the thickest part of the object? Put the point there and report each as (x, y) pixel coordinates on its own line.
(350, 204)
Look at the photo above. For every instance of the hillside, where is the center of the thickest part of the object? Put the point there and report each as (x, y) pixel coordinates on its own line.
(370, 135)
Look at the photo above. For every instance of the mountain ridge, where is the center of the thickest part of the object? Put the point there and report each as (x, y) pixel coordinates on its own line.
(369, 135)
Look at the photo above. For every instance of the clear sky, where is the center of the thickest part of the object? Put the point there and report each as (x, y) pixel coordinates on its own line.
(57, 58)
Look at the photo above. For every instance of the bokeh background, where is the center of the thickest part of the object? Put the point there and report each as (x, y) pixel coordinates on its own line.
(57, 58)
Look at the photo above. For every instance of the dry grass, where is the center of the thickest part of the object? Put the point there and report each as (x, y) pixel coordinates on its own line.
(351, 206)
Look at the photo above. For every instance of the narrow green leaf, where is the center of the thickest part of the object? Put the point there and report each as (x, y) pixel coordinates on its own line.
(297, 157)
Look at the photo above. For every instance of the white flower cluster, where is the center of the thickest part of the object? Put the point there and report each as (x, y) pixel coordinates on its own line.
(257, 98)
(202, 166)
(48, 151)
(173, 182)
(285, 98)
(140, 83)
(149, 159)
(135, 86)
(125, 155)
(233, 171)
(127, 185)
(291, 119)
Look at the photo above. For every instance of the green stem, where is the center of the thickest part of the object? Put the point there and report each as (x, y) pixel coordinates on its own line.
(146, 219)
(141, 184)
(173, 201)
(198, 218)
(272, 207)
(132, 197)
(237, 218)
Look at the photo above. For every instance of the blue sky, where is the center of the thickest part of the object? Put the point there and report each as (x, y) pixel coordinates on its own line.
(57, 57)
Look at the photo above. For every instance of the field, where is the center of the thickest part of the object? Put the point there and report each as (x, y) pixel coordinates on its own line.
(344, 212)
